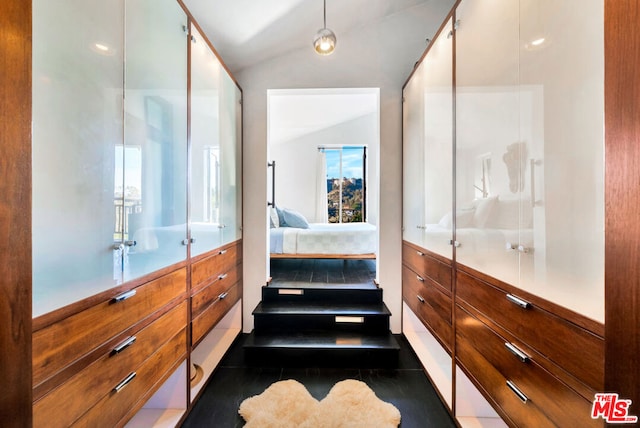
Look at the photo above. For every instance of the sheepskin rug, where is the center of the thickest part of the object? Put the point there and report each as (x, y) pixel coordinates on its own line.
(288, 404)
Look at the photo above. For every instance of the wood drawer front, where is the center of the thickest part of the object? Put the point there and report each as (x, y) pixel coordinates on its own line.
(428, 290)
(560, 403)
(433, 319)
(210, 316)
(573, 348)
(425, 265)
(60, 344)
(494, 386)
(97, 380)
(112, 408)
(208, 294)
(217, 264)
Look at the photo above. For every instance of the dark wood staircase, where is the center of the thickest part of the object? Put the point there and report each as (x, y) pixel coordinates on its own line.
(328, 325)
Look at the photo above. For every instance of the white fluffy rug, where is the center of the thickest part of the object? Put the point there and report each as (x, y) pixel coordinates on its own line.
(288, 404)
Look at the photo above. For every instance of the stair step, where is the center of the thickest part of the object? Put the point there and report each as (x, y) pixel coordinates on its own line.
(307, 292)
(293, 308)
(291, 317)
(327, 348)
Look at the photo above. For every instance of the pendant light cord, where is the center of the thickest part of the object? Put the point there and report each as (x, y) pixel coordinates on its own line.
(325, 14)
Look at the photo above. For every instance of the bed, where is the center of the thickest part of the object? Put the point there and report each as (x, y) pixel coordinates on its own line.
(292, 237)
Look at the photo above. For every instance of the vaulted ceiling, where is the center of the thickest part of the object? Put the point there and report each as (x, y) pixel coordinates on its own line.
(247, 32)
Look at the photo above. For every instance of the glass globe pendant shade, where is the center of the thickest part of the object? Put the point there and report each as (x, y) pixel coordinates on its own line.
(325, 41)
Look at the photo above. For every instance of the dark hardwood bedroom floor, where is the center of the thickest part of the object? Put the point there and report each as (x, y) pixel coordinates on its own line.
(322, 271)
(406, 387)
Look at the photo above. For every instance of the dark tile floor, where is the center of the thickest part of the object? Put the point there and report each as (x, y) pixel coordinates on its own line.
(406, 387)
(322, 271)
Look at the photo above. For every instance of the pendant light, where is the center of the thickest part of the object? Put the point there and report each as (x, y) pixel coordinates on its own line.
(325, 41)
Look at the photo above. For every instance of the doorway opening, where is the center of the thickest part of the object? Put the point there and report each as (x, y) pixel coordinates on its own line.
(323, 147)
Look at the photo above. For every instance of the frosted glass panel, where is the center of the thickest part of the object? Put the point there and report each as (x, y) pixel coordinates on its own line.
(562, 115)
(438, 141)
(413, 158)
(489, 149)
(206, 156)
(530, 147)
(155, 150)
(77, 125)
(230, 139)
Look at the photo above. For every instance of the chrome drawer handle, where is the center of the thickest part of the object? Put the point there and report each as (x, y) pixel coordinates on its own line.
(517, 391)
(125, 382)
(124, 345)
(517, 352)
(223, 276)
(420, 253)
(518, 301)
(222, 252)
(420, 298)
(223, 295)
(124, 296)
(419, 278)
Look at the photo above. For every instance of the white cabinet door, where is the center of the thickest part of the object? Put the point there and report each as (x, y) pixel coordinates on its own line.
(78, 194)
(156, 125)
(489, 147)
(561, 65)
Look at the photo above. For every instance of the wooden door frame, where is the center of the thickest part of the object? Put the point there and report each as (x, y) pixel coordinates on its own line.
(15, 213)
(622, 200)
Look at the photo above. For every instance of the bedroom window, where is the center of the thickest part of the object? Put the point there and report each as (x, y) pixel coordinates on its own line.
(128, 188)
(346, 183)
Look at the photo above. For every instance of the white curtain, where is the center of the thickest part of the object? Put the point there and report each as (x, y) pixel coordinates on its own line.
(321, 188)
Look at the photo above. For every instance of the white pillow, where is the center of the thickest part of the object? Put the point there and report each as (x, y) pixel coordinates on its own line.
(274, 220)
(464, 218)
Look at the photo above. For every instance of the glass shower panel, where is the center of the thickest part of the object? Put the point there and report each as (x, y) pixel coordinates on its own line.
(155, 150)
(206, 156)
(413, 127)
(489, 149)
(562, 115)
(77, 127)
(230, 142)
(438, 144)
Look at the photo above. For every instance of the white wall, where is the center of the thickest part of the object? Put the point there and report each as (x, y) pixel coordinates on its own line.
(296, 166)
(380, 56)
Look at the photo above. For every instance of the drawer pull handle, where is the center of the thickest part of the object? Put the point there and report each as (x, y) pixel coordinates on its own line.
(419, 278)
(517, 391)
(420, 253)
(222, 252)
(124, 345)
(517, 352)
(420, 298)
(124, 382)
(223, 295)
(518, 301)
(124, 296)
(223, 276)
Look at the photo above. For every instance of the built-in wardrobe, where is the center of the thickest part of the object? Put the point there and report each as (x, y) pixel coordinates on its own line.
(136, 212)
(503, 239)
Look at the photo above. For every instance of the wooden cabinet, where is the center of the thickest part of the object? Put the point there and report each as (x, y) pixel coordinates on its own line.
(116, 364)
(126, 285)
(429, 299)
(517, 298)
(531, 389)
(216, 289)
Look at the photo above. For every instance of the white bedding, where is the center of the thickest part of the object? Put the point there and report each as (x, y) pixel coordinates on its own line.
(325, 239)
